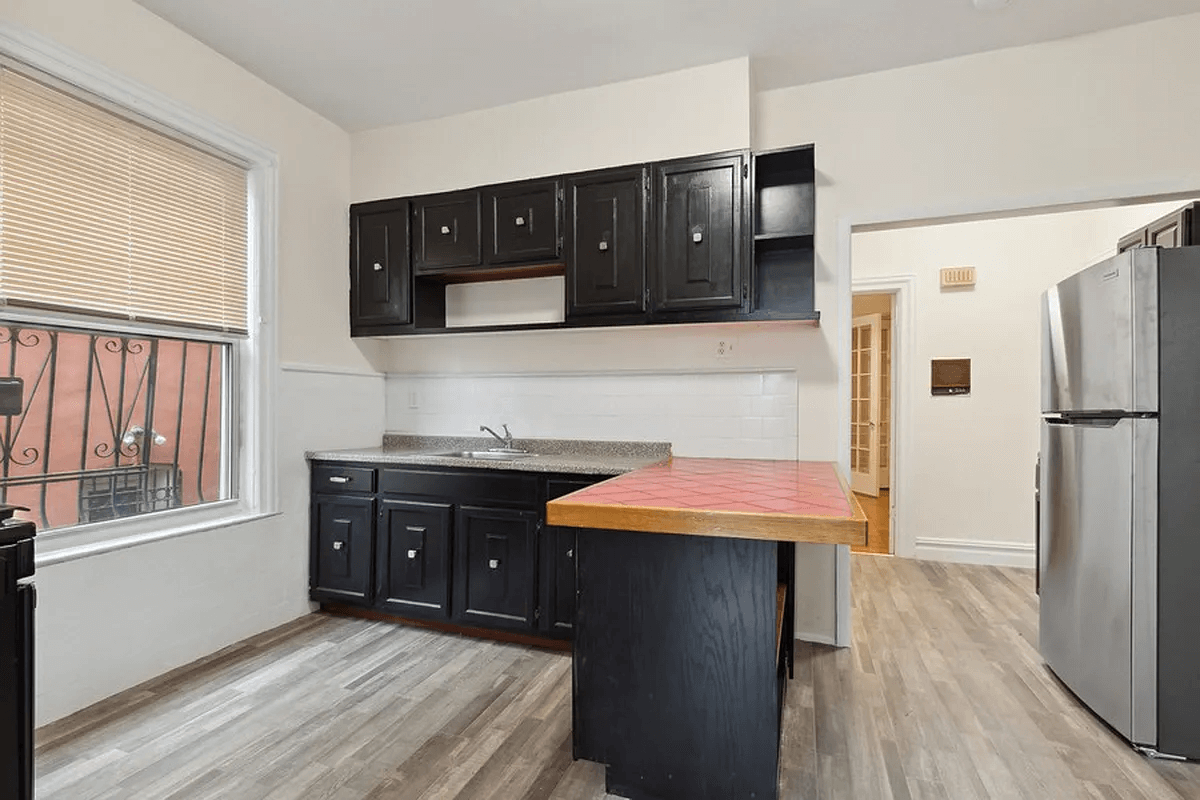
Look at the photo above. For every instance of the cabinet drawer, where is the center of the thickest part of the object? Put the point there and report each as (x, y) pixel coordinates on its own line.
(327, 478)
(480, 486)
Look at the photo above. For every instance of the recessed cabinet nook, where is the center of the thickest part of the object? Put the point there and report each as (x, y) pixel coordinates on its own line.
(726, 237)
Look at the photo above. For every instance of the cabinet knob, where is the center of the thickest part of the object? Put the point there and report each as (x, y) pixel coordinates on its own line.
(377, 267)
(603, 245)
(571, 553)
(697, 234)
(338, 545)
(445, 230)
(413, 553)
(493, 563)
(519, 221)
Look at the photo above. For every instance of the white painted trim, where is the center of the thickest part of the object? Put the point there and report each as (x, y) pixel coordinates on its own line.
(818, 638)
(903, 289)
(257, 356)
(599, 373)
(968, 551)
(321, 369)
(76, 551)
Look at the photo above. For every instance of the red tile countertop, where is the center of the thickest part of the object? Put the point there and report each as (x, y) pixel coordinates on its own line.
(800, 501)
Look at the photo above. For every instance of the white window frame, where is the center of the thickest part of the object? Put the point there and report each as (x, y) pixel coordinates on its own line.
(254, 360)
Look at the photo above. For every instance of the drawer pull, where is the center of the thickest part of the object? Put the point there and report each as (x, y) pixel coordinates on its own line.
(377, 267)
(414, 528)
(413, 553)
(445, 230)
(342, 522)
(571, 553)
(339, 479)
(493, 563)
(338, 545)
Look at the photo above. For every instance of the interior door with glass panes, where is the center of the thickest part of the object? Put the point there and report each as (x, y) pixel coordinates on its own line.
(864, 404)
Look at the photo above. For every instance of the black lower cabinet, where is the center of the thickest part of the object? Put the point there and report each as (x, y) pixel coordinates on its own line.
(413, 558)
(557, 549)
(343, 530)
(494, 575)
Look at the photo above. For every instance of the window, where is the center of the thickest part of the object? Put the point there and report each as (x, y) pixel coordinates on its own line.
(133, 257)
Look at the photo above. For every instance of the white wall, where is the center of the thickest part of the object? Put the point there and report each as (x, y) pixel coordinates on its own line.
(969, 479)
(1010, 129)
(693, 111)
(108, 622)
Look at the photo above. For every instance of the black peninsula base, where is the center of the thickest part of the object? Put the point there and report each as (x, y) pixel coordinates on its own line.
(682, 653)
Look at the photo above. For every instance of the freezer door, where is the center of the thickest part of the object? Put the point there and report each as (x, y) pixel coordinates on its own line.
(1100, 337)
(1086, 563)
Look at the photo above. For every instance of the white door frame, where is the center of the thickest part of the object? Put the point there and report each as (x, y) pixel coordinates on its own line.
(901, 288)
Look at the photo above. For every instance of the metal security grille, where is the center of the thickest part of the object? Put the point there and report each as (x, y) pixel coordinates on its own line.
(128, 491)
(111, 425)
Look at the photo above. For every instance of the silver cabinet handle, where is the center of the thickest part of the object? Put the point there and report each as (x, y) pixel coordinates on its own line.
(338, 479)
(413, 553)
(445, 230)
(571, 553)
(519, 221)
(414, 528)
(697, 236)
(493, 563)
(377, 267)
(603, 245)
(342, 522)
(338, 545)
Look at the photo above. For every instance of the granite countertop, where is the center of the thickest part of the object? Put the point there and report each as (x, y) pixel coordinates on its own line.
(571, 456)
(798, 501)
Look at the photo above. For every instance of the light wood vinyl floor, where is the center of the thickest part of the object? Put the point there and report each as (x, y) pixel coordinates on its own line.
(942, 696)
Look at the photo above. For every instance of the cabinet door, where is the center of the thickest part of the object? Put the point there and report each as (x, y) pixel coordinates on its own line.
(557, 555)
(606, 243)
(525, 222)
(699, 246)
(340, 567)
(1167, 232)
(413, 558)
(446, 231)
(494, 581)
(380, 279)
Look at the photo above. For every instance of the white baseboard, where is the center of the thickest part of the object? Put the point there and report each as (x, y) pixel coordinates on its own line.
(966, 551)
(816, 638)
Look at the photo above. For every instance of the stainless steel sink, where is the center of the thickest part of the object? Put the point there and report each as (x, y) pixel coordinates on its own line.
(489, 455)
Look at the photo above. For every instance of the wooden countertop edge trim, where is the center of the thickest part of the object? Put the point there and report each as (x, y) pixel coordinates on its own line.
(693, 522)
(856, 510)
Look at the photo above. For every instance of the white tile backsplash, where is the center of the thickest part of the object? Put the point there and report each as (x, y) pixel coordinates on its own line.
(704, 414)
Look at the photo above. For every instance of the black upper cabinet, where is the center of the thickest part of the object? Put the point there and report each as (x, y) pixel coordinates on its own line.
(340, 568)
(380, 280)
(494, 575)
(784, 217)
(446, 231)
(525, 222)
(606, 243)
(413, 558)
(699, 237)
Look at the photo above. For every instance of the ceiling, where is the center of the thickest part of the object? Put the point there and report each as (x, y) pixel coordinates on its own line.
(371, 63)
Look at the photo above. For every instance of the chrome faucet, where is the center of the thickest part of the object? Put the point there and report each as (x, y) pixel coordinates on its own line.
(505, 440)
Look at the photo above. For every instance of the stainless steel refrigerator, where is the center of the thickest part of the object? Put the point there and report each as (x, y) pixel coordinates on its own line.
(1119, 494)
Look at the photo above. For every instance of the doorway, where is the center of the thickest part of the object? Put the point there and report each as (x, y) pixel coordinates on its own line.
(871, 415)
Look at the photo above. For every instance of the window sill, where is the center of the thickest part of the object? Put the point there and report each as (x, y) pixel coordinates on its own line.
(86, 541)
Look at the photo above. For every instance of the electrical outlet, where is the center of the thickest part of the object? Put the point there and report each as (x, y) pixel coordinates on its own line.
(414, 399)
(725, 348)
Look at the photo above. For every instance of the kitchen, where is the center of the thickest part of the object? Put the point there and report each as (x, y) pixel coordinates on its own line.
(951, 137)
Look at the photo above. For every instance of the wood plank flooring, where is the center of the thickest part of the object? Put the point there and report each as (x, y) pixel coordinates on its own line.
(942, 696)
(879, 520)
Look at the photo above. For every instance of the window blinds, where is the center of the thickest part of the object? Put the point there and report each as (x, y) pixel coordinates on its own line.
(104, 216)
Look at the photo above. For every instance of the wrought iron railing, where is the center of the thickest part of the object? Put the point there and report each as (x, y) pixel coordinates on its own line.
(111, 425)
